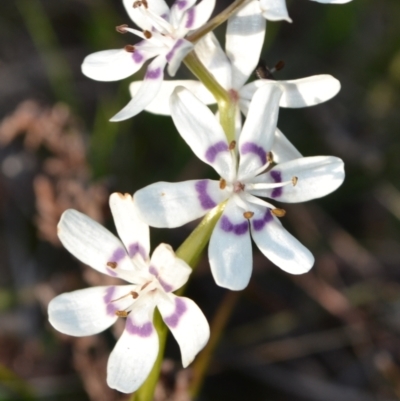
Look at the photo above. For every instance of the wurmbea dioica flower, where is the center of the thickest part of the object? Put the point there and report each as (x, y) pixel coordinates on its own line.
(163, 33)
(241, 185)
(275, 10)
(244, 41)
(152, 281)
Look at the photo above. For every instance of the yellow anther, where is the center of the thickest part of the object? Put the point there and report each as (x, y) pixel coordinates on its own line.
(294, 180)
(113, 265)
(222, 183)
(134, 294)
(232, 145)
(248, 215)
(278, 212)
(147, 34)
(270, 157)
(121, 28)
(121, 313)
(129, 48)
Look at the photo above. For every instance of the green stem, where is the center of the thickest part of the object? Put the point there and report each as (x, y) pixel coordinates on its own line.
(217, 20)
(190, 252)
(197, 68)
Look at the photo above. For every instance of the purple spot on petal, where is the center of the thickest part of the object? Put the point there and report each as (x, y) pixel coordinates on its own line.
(137, 56)
(181, 4)
(238, 229)
(212, 151)
(135, 249)
(153, 271)
(172, 52)
(259, 224)
(277, 177)
(118, 255)
(190, 18)
(142, 331)
(164, 285)
(202, 195)
(250, 147)
(153, 74)
(180, 309)
(107, 298)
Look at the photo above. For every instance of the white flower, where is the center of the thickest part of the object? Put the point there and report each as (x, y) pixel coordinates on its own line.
(275, 10)
(173, 204)
(244, 41)
(162, 37)
(152, 281)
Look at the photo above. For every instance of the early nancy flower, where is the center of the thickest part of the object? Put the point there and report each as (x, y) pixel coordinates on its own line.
(244, 41)
(162, 34)
(241, 185)
(152, 281)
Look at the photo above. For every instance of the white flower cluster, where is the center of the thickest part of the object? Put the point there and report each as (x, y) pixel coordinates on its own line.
(258, 163)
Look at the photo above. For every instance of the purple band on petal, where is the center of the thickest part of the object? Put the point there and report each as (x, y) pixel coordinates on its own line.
(212, 151)
(238, 229)
(190, 17)
(250, 147)
(180, 309)
(108, 296)
(259, 224)
(153, 74)
(172, 52)
(135, 249)
(180, 4)
(118, 255)
(111, 272)
(137, 57)
(164, 285)
(145, 330)
(202, 195)
(277, 177)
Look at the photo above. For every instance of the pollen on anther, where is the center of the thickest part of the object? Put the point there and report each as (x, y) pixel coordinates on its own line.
(294, 180)
(222, 183)
(137, 4)
(232, 145)
(113, 265)
(270, 157)
(134, 294)
(248, 215)
(121, 28)
(278, 212)
(121, 313)
(129, 48)
(147, 34)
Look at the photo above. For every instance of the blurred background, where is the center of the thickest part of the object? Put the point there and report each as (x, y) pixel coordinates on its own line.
(332, 334)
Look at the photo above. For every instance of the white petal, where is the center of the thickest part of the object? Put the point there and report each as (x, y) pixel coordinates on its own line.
(93, 244)
(258, 131)
(199, 14)
(297, 93)
(112, 65)
(147, 92)
(212, 56)
(244, 41)
(277, 244)
(160, 104)
(201, 131)
(172, 272)
(171, 205)
(316, 177)
(132, 230)
(230, 251)
(158, 7)
(83, 312)
(274, 10)
(308, 91)
(134, 354)
(175, 56)
(188, 325)
(282, 149)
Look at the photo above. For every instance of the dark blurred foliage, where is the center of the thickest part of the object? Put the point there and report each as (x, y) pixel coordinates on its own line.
(332, 334)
